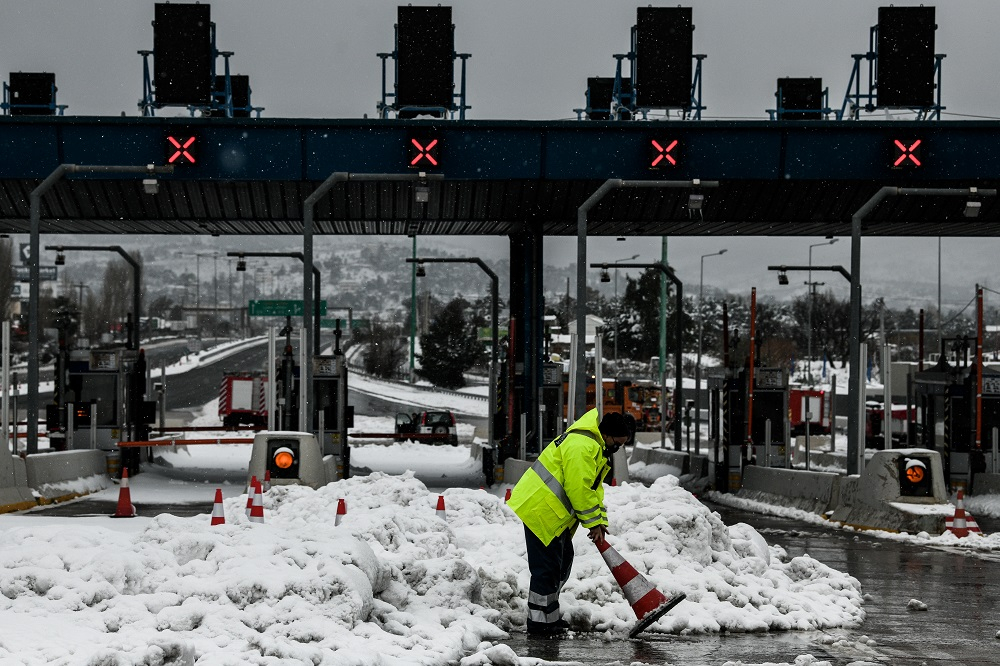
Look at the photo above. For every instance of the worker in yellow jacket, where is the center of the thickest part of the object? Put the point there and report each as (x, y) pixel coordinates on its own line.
(564, 488)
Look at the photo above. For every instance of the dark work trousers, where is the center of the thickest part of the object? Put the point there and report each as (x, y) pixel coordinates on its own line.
(549, 567)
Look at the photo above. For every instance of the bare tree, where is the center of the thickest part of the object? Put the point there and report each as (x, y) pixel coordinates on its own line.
(115, 299)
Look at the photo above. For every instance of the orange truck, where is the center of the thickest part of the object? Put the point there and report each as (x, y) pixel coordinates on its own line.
(639, 399)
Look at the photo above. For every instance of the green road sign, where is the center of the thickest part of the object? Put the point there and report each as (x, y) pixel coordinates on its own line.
(356, 324)
(280, 308)
(486, 332)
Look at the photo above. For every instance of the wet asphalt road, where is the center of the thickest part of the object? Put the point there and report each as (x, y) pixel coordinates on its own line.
(958, 628)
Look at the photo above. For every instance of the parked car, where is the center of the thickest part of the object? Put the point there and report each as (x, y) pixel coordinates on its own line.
(434, 427)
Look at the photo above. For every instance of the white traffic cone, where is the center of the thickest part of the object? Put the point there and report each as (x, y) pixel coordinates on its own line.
(648, 603)
(218, 513)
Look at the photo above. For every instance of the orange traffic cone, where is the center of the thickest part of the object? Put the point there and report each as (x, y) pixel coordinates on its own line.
(218, 514)
(506, 498)
(125, 508)
(250, 495)
(257, 510)
(251, 489)
(341, 511)
(962, 523)
(440, 508)
(648, 603)
(614, 481)
(267, 480)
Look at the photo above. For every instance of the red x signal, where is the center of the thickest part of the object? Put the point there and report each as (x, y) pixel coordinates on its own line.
(424, 152)
(182, 150)
(660, 153)
(907, 151)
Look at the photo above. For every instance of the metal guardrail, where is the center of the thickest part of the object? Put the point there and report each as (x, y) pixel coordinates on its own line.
(356, 368)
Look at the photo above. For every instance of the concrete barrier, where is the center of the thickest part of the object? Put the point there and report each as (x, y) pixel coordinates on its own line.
(817, 492)
(986, 484)
(873, 500)
(15, 495)
(62, 475)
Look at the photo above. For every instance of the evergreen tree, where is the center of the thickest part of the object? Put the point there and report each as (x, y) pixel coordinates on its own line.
(449, 347)
(639, 326)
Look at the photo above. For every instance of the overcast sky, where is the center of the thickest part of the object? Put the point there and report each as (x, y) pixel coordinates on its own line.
(530, 60)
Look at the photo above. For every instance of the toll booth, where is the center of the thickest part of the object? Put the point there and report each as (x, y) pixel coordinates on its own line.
(551, 407)
(945, 396)
(769, 430)
(769, 437)
(102, 402)
(332, 416)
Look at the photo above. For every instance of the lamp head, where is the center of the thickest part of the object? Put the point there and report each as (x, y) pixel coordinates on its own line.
(782, 278)
(421, 272)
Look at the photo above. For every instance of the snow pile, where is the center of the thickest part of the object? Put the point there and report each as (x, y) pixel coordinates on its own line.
(393, 584)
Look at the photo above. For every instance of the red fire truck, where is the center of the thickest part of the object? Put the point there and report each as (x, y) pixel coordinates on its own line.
(816, 403)
(242, 399)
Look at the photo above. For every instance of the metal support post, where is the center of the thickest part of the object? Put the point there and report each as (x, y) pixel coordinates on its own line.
(767, 443)
(269, 394)
(996, 449)
(859, 408)
(305, 420)
(808, 418)
(93, 425)
(70, 425)
(5, 378)
(573, 360)
(598, 373)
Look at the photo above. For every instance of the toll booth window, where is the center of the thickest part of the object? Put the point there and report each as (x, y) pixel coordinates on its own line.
(635, 394)
(915, 478)
(326, 402)
(96, 388)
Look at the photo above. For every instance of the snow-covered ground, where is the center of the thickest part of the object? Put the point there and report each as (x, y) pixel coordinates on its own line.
(393, 584)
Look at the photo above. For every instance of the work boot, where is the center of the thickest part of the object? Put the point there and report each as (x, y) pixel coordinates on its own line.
(552, 630)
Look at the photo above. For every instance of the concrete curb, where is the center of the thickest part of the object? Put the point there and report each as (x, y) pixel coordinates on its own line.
(817, 492)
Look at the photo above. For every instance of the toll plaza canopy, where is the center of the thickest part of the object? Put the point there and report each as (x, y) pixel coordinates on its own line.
(251, 176)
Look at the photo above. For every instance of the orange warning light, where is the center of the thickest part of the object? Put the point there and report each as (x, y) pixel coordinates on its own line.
(284, 459)
(915, 474)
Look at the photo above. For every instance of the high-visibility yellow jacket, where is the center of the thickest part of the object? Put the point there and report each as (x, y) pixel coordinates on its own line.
(565, 485)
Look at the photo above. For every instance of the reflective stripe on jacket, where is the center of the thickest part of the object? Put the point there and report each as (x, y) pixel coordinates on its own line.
(565, 485)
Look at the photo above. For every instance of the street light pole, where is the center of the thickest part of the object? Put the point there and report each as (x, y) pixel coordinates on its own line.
(812, 297)
(495, 314)
(34, 276)
(136, 280)
(215, 288)
(632, 258)
(580, 399)
(669, 273)
(697, 365)
(240, 254)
